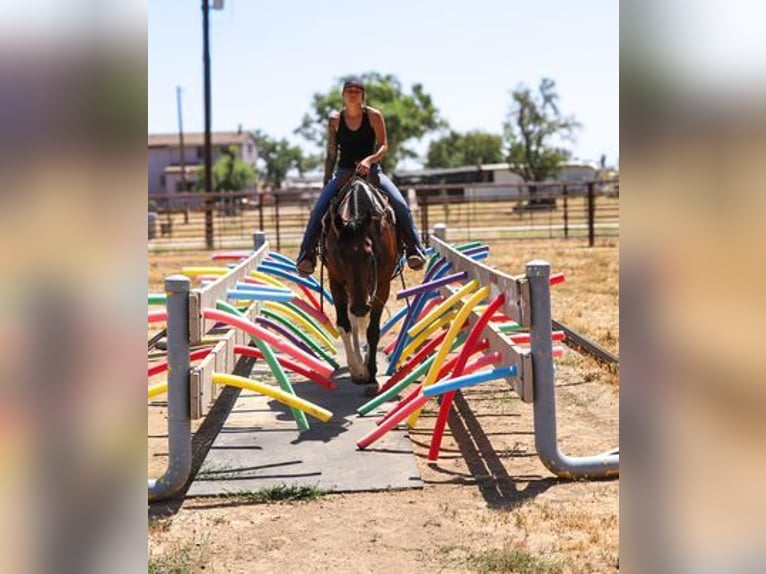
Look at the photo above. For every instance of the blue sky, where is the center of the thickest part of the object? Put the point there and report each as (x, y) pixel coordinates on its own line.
(269, 58)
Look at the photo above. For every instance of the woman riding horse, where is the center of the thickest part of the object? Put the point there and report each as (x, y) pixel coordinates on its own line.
(351, 140)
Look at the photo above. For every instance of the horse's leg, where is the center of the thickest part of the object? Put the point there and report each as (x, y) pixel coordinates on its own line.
(373, 336)
(355, 363)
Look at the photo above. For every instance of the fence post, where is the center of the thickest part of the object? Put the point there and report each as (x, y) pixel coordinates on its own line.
(259, 238)
(440, 231)
(423, 203)
(260, 209)
(591, 216)
(276, 219)
(179, 413)
(565, 194)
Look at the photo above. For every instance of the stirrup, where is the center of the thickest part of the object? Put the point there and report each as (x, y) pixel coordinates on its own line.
(415, 258)
(306, 264)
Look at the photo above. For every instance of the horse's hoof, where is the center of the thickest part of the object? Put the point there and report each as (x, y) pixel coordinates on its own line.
(371, 389)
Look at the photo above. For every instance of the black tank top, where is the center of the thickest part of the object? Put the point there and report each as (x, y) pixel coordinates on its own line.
(354, 146)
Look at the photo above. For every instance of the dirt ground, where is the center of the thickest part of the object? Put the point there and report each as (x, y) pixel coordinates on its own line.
(488, 504)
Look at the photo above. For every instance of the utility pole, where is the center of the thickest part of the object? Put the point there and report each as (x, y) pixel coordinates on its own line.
(208, 151)
(217, 5)
(181, 139)
(184, 185)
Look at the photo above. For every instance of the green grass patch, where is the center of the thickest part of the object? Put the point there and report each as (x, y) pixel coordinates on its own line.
(279, 493)
(182, 559)
(516, 561)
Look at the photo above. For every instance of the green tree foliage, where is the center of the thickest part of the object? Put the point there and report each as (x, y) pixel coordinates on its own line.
(408, 116)
(279, 157)
(534, 122)
(230, 173)
(472, 148)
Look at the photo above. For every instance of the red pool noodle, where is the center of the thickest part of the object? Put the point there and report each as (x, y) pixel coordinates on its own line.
(193, 356)
(470, 342)
(253, 329)
(417, 358)
(289, 364)
(158, 316)
(386, 426)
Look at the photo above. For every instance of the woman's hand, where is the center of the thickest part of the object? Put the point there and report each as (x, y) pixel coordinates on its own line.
(364, 166)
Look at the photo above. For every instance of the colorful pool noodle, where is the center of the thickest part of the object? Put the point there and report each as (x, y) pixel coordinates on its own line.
(416, 359)
(429, 299)
(286, 332)
(230, 255)
(393, 389)
(431, 285)
(437, 270)
(291, 400)
(252, 286)
(158, 299)
(424, 335)
(476, 250)
(457, 324)
(274, 366)
(318, 316)
(280, 272)
(253, 329)
(288, 364)
(196, 271)
(426, 302)
(311, 299)
(257, 295)
(268, 279)
(472, 341)
(313, 347)
(280, 257)
(414, 405)
(478, 363)
(413, 311)
(162, 366)
(443, 307)
(467, 380)
(158, 316)
(303, 320)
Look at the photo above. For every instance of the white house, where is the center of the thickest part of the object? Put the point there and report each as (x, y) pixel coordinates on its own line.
(164, 159)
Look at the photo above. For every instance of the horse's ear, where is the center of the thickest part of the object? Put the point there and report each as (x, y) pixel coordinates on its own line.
(374, 179)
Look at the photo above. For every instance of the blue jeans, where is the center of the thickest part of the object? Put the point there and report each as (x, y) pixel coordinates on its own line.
(401, 209)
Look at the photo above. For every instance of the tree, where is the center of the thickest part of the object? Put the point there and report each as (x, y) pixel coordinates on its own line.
(279, 157)
(230, 173)
(472, 148)
(408, 116)
(533, 121)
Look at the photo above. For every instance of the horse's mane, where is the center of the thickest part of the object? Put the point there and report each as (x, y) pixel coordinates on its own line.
(357, 204)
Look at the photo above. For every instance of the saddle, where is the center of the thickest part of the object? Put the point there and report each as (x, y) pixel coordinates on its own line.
(342, 206)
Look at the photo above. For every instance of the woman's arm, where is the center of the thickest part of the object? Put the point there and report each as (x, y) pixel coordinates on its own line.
(381, 137)
(332, 147)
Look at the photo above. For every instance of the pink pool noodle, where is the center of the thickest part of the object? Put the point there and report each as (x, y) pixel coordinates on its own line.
(386, 426)
(193, 356)
(470, 342)
(253, 329)
(289, 364)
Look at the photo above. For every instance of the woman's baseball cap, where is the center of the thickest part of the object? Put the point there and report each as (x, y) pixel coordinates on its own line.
(353, 83)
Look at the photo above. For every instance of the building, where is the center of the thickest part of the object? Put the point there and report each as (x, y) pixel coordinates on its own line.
(164, 159)
(506, 184)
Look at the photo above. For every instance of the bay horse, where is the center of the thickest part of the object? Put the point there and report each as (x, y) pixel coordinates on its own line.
(361, 253)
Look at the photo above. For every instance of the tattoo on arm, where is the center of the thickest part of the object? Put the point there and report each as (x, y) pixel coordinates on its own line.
(331, 153)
